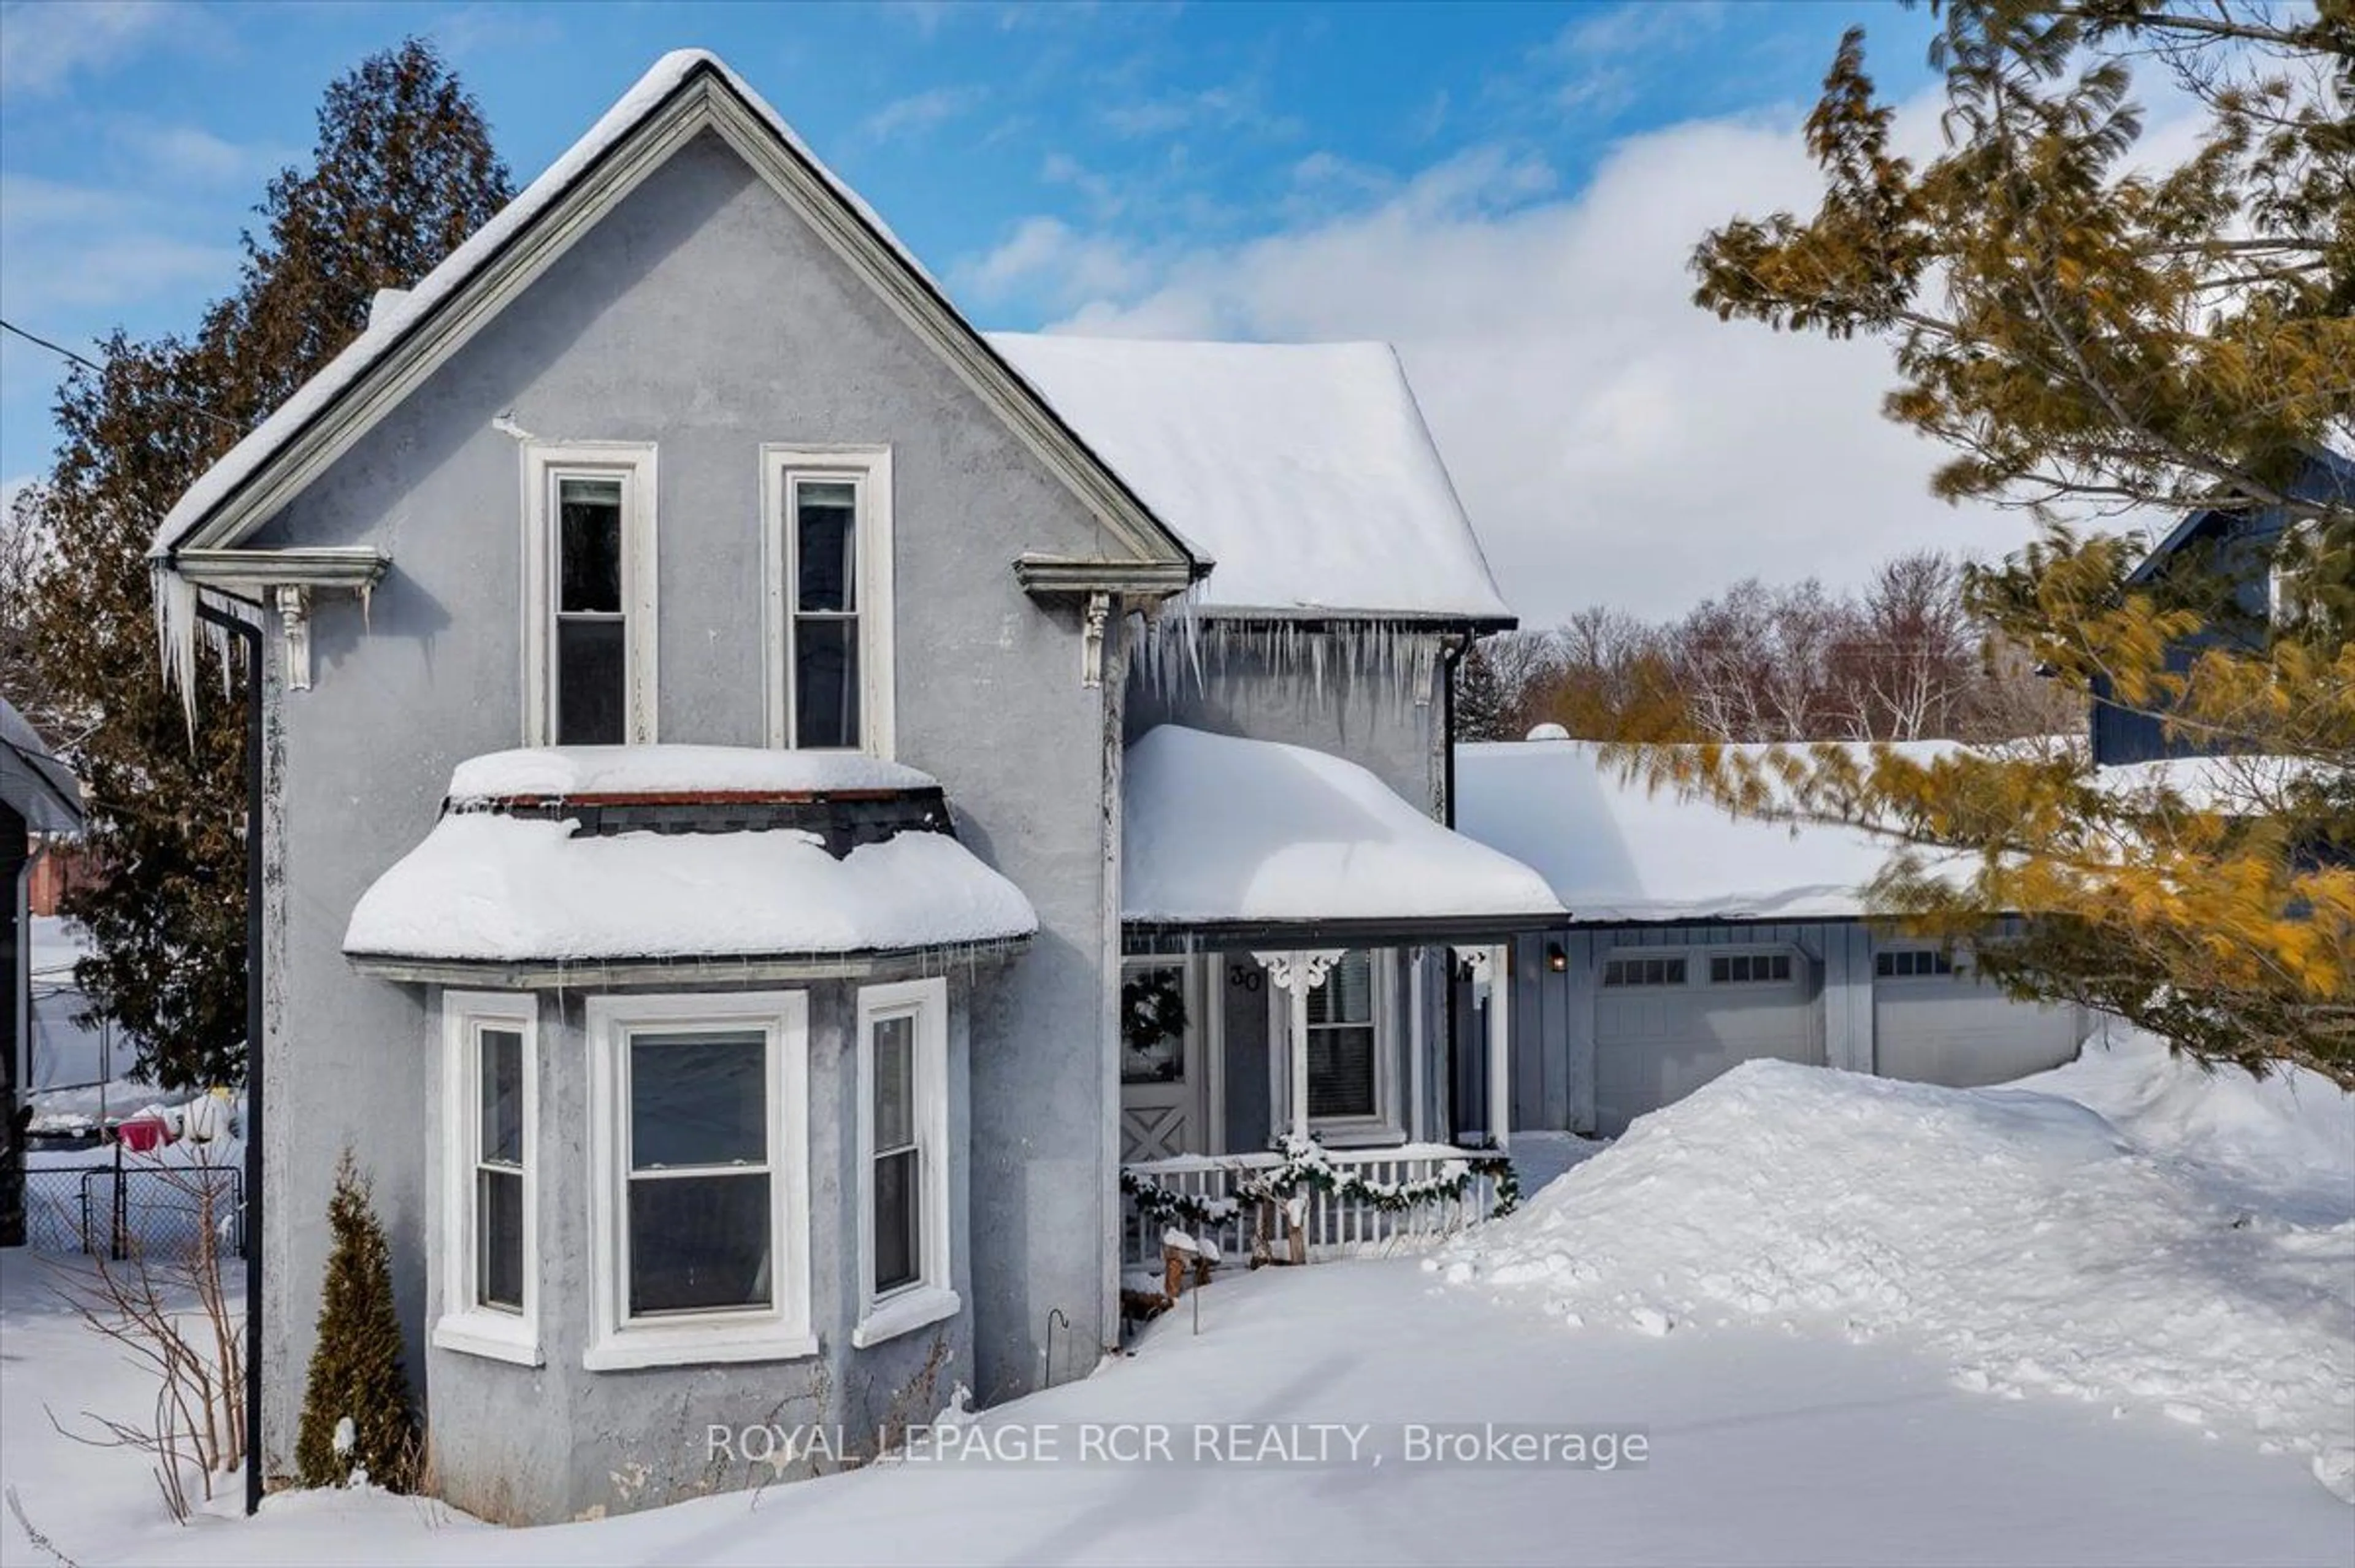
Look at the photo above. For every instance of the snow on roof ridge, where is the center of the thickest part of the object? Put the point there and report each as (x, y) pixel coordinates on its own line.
(665, 77)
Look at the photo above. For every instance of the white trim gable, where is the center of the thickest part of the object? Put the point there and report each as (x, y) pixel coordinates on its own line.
(684, 97)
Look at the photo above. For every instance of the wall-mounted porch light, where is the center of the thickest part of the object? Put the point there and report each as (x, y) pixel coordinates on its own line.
(1556, 959)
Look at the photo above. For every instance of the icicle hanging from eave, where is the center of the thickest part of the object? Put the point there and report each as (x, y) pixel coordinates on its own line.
(1193, 645)
(176, 627)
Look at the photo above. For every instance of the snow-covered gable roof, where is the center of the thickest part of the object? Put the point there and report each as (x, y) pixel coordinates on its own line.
(1220, 830)
(1614, 851)
(401, 316)
(1304, 469)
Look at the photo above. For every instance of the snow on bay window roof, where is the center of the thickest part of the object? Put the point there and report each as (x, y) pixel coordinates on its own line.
(568, 773)
(522, 887)
(1218, 829)
(1304, 470)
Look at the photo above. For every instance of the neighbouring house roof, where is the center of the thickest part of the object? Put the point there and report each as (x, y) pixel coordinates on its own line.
(1615, 851)
(493, 888)
(407, 329)
(40, 789)
(1221, 832)
(2325, 474)
(1304, 469)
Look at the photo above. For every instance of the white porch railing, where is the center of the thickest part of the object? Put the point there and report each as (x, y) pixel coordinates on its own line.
(1333, 1226)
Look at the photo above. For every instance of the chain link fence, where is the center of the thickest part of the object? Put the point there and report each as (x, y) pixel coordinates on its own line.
(146, 1210)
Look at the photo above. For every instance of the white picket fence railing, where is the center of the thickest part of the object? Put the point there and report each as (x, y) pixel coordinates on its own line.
(1333, 1226)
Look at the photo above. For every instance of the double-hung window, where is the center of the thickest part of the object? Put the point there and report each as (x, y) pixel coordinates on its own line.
(590, 636)
(904, 1145)
(490, 1304)
(698, 1153)
(828, 538)
(1344, 1059)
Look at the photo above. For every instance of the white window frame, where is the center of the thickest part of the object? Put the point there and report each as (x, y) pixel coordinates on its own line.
(1385, 1126)
(868, 470)
(464, 1323)
(930, 1297)
(780, 1331)
(545, 465)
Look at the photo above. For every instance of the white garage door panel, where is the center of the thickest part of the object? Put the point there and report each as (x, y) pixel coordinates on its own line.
(1957, 1031)
(1654, 1045)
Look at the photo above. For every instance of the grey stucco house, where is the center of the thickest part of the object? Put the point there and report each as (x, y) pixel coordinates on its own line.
(771, 798)
(1698, 941)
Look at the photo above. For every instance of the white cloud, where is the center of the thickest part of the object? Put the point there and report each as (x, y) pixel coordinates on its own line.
(1612, 442)
(920, 112)
(42, 45)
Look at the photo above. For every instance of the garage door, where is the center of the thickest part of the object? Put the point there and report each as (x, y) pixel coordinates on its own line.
(1934, 1021)
(1668, 1021)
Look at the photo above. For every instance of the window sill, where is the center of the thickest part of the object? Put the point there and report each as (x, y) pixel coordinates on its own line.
(683, 1346)
(917, 1307)
(494, 1336)
(1355, 1135)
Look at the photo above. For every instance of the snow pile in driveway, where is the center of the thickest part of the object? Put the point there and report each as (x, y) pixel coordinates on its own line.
(2019, 1235)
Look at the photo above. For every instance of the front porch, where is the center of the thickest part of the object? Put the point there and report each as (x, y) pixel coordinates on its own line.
(1289, 1103)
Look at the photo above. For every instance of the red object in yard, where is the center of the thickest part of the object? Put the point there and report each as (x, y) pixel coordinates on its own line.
(142, 1133)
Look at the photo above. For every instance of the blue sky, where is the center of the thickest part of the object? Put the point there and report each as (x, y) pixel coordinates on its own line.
(1506, 191)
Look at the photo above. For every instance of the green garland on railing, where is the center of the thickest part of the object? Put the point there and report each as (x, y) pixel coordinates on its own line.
(1308, 1165)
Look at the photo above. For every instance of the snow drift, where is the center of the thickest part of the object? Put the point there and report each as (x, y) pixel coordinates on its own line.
(2028, 1239)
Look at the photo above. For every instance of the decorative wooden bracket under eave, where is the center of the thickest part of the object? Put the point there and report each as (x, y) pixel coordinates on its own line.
(284, 580)
(1101, 586)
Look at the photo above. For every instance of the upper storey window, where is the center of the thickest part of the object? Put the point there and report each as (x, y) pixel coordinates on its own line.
(589, 589)
(828, 534)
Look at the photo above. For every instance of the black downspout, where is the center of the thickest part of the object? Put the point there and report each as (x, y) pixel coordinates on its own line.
(1451, 655)
(246, 632)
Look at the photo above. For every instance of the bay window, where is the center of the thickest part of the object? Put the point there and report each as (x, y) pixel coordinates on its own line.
(490, 1081)
(698, 1154)
(827, 538)
(903, 1148)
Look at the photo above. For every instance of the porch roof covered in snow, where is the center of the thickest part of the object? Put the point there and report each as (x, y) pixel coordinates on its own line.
(606, 865)
(1232, 841)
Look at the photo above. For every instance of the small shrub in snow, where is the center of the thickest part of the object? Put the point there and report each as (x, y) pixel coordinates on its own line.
(356, 1410)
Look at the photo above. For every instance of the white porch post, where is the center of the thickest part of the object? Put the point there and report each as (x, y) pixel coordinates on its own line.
(1501, 1054)
(1297, 973)
(1418, 1041)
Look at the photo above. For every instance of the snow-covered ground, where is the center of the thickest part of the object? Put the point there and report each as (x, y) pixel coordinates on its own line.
(1805, 1406)
(2125, 1230)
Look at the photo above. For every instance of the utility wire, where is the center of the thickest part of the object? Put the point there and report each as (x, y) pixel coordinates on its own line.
(87, 364)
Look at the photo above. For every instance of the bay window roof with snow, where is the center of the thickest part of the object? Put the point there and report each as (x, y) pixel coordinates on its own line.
(562, 865)
(1247, 840)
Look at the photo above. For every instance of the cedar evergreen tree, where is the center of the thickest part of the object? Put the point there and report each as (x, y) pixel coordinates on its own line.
(356, 1370)
(2094, 334)
(402, 172)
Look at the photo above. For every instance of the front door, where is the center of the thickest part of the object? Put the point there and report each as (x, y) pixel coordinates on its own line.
(1161, 1067)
